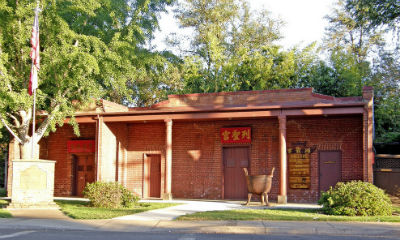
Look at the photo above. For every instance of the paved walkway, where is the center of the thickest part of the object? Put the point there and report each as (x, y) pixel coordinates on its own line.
(193, 206)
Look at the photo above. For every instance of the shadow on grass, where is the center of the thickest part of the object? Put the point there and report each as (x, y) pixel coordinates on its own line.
(283, 215)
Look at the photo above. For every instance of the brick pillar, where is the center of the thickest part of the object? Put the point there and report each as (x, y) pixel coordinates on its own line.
(282, 197)
(368, 122)
(168, 160)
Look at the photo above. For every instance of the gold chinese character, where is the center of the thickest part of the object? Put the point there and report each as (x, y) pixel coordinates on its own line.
(289, 150)
(226, 134)
(298, 150)
(307, 150)
(246, 134)
(236, 135)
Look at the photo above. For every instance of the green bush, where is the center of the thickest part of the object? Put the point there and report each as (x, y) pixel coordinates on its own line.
(3, 192)
(356, 198)
(109, 195)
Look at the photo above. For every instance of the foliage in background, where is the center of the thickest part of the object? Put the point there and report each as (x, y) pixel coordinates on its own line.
(378, 13)
(356, 198)
(109, 195)
(4, 140)
(89, 49)
(359, 54)
(233, 48)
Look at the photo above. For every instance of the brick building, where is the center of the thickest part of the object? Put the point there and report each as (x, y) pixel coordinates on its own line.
(194, 145)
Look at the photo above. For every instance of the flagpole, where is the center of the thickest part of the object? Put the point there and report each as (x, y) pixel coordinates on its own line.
(34, 89)
(33, 124)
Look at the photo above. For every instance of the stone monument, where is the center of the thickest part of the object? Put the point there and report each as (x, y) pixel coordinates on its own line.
(32, 184)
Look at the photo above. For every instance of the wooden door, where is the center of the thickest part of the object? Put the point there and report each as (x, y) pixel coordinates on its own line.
(330, 169)
(154, 175)
(235, 158)
(84, 172)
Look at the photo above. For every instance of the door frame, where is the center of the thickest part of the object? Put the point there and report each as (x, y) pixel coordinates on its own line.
(248, 146)
(146, 173)
(319, 166)
(74, 169)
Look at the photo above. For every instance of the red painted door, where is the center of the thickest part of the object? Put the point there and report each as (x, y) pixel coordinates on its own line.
(330, 169)
(154, 163)
(235, 158)
(84, 172)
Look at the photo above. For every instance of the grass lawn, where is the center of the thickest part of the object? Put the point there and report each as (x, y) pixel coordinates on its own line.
(284, 215)
(82, 210)
(4, 213)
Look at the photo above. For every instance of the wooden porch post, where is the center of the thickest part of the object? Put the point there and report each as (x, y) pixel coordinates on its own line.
(168, 160)
(282, 197)
(368, 121)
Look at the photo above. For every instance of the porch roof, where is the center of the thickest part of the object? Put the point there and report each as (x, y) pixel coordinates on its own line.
(232, 105)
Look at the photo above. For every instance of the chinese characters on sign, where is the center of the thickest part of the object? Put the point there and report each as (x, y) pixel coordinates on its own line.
(236, 135)
(81, 146)
(299, 166)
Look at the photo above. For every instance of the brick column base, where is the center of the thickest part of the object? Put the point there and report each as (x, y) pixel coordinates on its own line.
(282, 199)
(167, 196)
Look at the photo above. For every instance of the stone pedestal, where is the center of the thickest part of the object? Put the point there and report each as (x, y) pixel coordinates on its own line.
(32, 184)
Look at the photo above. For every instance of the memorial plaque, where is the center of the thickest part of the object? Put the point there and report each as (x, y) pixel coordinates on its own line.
(33, 178)
(299, 167)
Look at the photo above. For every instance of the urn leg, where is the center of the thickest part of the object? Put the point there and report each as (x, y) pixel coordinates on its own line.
(262, 198)
(266, 199)
(248, 198)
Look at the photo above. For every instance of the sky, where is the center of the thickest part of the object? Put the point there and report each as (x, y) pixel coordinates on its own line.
(304, 20)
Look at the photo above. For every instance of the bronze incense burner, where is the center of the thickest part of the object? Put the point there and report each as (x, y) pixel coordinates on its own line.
(258, 184)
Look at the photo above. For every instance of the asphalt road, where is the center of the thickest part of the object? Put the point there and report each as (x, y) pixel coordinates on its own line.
(57, 234)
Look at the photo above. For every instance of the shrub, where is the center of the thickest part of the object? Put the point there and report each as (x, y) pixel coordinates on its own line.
(3, 192)
(356, 198)
(109, 195)
(128, 199)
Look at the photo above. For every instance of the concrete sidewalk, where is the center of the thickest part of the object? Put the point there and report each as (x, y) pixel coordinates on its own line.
(159, 221)
(193, 206)
(209, 227)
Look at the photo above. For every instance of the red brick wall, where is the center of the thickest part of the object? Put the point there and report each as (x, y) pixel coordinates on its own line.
(144, 138)
(197, 169)
(197, 153)
(327, 133)
(54, 147)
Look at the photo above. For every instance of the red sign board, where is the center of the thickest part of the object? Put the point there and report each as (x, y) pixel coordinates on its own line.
(81, 146)
(236, 135)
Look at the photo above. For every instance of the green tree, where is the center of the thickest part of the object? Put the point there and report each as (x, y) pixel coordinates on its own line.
(233, 48)
(358, 57)
(386, 82)
(376, 12)
(89, 48)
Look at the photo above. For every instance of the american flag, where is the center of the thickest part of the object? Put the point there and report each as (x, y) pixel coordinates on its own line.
(33, 81)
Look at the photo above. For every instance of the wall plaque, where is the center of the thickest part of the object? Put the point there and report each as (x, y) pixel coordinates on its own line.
(236, 135)
(299, 166)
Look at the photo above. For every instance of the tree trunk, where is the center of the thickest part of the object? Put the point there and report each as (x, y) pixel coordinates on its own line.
(26, 149)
